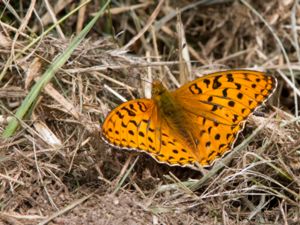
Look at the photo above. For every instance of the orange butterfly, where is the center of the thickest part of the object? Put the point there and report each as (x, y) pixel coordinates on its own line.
(192, 125)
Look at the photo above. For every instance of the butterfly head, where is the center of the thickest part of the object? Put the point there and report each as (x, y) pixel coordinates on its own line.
(158, 89)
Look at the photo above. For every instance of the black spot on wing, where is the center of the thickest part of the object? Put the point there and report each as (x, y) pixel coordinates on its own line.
(202, 132)
(131, 106)
(145, 121)
(235, 118)
(228, 136)
(171, 143)
(175, 151)
(224, 92)
(221, 146)
(142, 106)
(239, 95)
(214, 108)
(150, 129)
(134, 122)
(211, 153)
(207, 144)
(150, 139)
(231, 103)
(238, 86)
(195, 89)
(229, 77)
(209, 129)
(210, 98)
(207, 82)
(129, 112)
(216, 82)
(152, 148)
(120, 115)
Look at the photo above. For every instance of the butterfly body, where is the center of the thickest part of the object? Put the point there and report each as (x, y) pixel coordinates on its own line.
(170, 109)
(195, 124)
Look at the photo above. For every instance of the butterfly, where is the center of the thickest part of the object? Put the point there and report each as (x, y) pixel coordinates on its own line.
(193, 125)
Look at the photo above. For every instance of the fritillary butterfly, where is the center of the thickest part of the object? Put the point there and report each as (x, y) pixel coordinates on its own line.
(194, 124)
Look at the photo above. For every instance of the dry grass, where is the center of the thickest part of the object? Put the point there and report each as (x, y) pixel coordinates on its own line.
(56, 169)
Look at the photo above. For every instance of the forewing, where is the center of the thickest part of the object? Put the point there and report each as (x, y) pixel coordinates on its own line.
(219, 104)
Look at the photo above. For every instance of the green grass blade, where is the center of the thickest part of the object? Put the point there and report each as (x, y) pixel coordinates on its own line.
(48, 75)
(34, 41)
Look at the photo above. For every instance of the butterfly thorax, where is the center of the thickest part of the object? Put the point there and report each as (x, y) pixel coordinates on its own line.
(165, 102)
(170, 109)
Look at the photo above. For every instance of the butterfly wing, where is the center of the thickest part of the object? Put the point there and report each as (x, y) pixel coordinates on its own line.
(131, 125)
(136, 125)
(218, 104)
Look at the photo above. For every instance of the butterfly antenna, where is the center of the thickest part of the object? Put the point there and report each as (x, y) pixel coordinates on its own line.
(146, 81)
